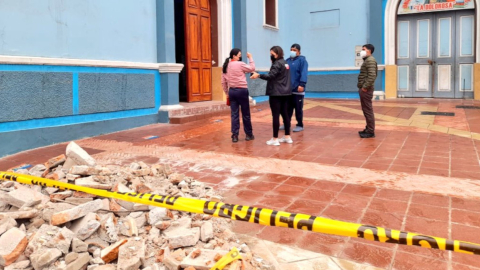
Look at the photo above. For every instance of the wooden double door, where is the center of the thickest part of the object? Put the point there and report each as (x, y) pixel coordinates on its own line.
(198, 50)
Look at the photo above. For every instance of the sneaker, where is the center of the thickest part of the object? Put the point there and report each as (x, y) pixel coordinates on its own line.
(234, 138)
(285, 140)
(282, 128)
(249, 138)
(274, 142)
(367, 135)
(298, 129)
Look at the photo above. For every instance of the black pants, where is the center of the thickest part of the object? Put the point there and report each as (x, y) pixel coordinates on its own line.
(296, 103)
(367, 108)
(239, 100)
(279, 106)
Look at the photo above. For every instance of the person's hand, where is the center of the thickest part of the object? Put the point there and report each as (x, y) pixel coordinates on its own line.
(301, 89)
(255, 76)
(364, 90)
(249, 55)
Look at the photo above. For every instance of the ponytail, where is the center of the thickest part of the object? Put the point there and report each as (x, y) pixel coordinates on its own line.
(225, 64)
(233, 52)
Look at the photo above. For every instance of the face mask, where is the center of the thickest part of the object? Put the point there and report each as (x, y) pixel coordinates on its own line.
(363, 54)
(293, 54)
(272, 58)
(240, 59)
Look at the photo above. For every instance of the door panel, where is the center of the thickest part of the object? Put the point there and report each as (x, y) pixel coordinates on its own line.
(198, 50)
(444, 78)
(444, 57)
(465, 55)
(423, 78)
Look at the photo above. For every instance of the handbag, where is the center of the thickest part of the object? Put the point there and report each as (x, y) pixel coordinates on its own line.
(228, 101)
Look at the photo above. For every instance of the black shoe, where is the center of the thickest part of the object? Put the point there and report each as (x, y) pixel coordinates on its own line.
(249, 138)
(234, 138)
(363, 131)
(366, 135)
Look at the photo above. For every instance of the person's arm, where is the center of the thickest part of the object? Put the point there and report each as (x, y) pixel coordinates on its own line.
(225, 83)
(304, 76)
(371, 75)
(250, 67)
(272, 74)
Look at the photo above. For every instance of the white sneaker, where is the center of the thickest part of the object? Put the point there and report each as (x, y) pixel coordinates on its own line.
(285, 140)
(273, 142)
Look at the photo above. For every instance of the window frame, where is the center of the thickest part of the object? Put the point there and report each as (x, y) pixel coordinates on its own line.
(268, 26)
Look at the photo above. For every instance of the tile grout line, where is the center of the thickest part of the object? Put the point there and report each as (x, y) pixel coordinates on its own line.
(423, 154)
(398, 153)
(404, 222)
(376, 149)
(450, 255)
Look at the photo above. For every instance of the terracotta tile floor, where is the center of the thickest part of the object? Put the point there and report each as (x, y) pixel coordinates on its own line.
(327, 171)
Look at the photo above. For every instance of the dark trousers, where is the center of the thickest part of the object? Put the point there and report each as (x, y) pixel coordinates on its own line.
(279, 106)
(296, 103)
(239, 100)
(367, 108)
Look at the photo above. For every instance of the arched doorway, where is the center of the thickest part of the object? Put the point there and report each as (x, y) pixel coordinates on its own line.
(202, 38)
(425, 52)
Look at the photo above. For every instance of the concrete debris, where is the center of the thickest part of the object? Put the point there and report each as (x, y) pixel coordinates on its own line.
(80, 262)
(71, 230)
(76, 212)
(79, 156)
(86, 226)
(12, 245)
(110, 253)
(6, 224)
(42, 259)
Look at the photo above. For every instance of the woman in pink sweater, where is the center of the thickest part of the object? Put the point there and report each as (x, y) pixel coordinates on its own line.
(234, 83)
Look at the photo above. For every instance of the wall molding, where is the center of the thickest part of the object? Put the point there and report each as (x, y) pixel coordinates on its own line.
(26, 60)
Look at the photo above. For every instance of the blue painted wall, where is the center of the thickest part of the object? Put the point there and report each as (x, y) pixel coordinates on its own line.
(122, 30)
(53, 96)
(327, 30)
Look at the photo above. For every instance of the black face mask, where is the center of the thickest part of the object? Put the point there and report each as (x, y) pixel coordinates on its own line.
(272, 57)
(240, 59)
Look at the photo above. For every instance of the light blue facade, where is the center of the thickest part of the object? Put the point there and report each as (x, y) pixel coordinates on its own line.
(120, 30)
(327, 30)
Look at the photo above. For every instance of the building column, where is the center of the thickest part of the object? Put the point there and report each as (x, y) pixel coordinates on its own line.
(169, 73)
(240, 24)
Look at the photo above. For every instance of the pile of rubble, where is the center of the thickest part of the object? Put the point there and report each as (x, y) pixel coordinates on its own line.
(47, 228)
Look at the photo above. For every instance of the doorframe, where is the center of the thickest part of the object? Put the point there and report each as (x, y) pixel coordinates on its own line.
(391, 31)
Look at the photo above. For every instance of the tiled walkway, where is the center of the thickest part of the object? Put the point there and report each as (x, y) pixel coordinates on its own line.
(419, 174)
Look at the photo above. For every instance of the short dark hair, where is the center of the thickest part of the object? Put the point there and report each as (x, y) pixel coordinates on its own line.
(369, 47)
(278, 50)
(296, 46)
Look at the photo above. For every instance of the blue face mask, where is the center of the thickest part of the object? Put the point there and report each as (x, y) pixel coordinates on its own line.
(293, 54)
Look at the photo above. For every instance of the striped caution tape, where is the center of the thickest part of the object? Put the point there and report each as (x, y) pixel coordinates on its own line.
(233, 255)
(263, 216)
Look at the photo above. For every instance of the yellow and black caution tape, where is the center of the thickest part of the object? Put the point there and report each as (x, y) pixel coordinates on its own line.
(233, 255)
(264, 216)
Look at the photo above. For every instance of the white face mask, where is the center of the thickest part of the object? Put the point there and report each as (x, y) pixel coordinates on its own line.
(363, 54)
(293, 54)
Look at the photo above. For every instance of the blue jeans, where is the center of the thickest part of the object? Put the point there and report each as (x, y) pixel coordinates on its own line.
(239, 100)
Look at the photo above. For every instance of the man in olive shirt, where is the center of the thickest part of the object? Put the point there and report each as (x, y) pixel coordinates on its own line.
(366, 81)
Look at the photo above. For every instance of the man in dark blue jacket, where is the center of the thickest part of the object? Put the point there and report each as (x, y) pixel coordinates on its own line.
(298, 78)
